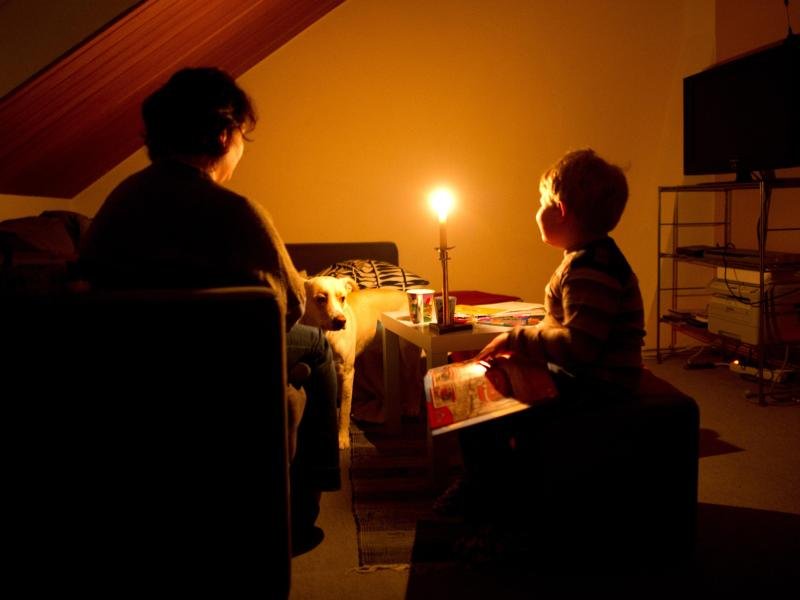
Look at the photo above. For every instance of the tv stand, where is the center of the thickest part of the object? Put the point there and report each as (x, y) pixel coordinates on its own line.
(746, 176)
(673, 296)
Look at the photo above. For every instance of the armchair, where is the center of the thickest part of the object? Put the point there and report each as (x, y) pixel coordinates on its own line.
(146, 441)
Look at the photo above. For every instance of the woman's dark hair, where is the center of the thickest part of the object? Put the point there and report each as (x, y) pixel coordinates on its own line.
(187, 116)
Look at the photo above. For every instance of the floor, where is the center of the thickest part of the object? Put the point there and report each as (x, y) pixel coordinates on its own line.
(750, 467)
(331, 570)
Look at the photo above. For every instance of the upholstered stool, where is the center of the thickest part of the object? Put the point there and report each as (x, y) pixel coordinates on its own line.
(614, 485)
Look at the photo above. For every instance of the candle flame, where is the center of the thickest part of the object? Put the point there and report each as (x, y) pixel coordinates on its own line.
(441, 200)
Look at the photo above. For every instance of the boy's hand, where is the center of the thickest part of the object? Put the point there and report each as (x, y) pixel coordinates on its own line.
(496, 346)
(529, 381)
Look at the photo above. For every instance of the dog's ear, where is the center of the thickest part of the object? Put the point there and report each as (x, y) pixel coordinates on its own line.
(350, 284)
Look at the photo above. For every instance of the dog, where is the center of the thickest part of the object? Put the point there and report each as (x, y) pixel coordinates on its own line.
(349, 318)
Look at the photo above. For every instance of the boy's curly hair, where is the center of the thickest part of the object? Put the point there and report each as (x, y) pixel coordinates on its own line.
(594, 190)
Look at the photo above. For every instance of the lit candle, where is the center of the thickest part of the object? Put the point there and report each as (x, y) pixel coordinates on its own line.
(441, 200)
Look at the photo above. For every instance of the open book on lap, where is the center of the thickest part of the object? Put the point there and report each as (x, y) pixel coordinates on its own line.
(466, 393)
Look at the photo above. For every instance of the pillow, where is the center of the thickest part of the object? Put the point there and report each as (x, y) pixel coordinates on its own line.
(43, 236)
(374, 274)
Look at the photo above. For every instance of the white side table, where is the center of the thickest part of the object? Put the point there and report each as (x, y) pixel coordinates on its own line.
(398, 325)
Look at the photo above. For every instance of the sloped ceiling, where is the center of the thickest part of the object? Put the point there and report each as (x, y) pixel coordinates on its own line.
(79, 117)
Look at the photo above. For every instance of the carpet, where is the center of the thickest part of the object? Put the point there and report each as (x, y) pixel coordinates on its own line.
(392, 490)
(740, 553)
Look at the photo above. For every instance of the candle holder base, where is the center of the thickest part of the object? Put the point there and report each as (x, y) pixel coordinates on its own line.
(441, 328)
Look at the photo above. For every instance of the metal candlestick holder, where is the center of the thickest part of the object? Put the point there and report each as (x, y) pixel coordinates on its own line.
(447, 325)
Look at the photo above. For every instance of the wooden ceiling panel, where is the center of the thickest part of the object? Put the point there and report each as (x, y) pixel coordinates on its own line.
(72, 122)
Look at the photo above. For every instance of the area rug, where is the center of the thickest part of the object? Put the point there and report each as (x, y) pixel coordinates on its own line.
(392, 491)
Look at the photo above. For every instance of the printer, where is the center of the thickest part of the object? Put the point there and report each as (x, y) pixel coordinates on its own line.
(735, 306)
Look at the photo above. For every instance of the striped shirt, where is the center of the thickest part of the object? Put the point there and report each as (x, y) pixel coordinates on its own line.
(594, 323)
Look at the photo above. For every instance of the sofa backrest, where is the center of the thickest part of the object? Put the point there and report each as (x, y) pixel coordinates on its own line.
(314, 257)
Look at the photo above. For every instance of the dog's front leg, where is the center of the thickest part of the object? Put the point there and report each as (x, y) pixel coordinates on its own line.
(345, 373)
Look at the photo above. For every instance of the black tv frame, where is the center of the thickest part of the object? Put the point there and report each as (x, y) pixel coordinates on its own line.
(743, 116)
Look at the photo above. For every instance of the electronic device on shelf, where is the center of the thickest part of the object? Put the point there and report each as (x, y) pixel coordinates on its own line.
(745, 258)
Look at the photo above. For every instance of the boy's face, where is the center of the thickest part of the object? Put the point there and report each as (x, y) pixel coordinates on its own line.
(552, 221)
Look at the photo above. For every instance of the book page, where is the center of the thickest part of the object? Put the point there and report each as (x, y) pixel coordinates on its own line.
(507, 314)
(474, 391)
(515, 308)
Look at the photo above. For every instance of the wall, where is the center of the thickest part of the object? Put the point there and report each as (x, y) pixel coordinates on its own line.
(741, 26)
(366, 110)
(34, 33)
(370, 107)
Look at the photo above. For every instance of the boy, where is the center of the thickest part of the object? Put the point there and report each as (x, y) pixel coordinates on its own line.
(593, 330)
(591, 336)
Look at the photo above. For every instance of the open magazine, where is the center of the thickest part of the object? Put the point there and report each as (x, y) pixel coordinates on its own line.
(470, 392)
(506, 314)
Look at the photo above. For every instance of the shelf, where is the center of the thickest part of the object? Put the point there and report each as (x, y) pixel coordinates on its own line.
(733, 345)
(725, 186)
(701, 334)
(734, 262)
(759, 260)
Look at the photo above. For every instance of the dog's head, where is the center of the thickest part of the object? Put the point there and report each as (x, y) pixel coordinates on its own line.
(326, 298)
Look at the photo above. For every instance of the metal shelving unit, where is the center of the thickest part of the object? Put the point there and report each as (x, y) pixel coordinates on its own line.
(723, 223)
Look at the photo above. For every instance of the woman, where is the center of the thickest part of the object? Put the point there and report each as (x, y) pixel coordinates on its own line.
(174, 225)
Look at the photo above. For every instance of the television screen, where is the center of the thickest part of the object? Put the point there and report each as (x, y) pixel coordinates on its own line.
(744, 115)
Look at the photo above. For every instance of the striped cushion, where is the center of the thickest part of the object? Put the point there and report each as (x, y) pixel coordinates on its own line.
(374, 274)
